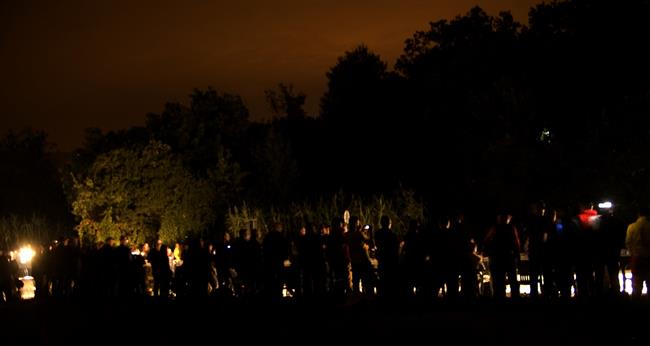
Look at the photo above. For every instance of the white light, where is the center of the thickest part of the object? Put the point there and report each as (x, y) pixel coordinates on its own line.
(626, 283)
(28, 291)
(25, 255)
(523, 289)
(605, 205)
(593, 219)
(286, 293)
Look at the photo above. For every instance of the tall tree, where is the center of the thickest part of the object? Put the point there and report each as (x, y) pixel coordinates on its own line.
(275, 169)
(197, 131)
(286, 102)
(359, 110)
(353, 87)
(467, 96)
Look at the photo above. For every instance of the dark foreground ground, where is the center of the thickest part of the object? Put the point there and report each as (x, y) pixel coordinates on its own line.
(218, 322)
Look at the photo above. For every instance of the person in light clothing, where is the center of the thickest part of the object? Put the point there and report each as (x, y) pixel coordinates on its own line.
(637, 241)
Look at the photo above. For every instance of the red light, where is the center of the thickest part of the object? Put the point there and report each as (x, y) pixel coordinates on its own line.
(587, 218)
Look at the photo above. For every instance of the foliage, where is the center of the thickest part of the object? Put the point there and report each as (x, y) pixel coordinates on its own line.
(29, 179)
(353, 87)
(286, 102)
(226, 178)
(402, 207)
(480, 112)
(277, 169)
(142, 192)
(198, 130)
(17, 230)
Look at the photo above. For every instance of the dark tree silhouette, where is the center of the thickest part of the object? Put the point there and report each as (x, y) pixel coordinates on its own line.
(353, 88)
(479, 110)
(197, 131)
(31, 185)
(286, 102)
(360, 110)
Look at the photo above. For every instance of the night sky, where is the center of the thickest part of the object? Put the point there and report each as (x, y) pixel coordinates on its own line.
(71, 64)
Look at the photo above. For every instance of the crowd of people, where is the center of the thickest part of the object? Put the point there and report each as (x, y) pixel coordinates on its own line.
(449, 258)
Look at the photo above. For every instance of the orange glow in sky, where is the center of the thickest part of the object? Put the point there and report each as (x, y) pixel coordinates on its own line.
(71, 64)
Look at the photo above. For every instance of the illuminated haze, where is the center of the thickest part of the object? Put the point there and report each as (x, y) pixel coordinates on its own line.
(69, 65)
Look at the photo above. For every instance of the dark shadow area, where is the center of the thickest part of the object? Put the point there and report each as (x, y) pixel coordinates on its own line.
(289, 323)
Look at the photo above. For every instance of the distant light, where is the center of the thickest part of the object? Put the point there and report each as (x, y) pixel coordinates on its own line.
(25, 255)
(286, 292)
(625, 282)
(545, 136)
(588, 217)
(605, 205)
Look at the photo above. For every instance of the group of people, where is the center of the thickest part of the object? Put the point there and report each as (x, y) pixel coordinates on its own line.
(344, 258)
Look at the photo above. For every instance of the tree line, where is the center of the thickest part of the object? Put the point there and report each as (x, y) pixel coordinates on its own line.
(479, 113)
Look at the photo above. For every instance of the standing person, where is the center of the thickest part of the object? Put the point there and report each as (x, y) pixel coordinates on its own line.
(468, 260)
(224, 261)
(358, 247)
(124, 268)
(502, 247)
(611, 240)
(338, 258)
(637, 241)
(452, 249)
(8, 270)
(108, 272)
(387, 257)
(138, 272)
(539, 226)
(275, 250)
(412, 260)
(39, 272)
(160, 270)
(586, 252)
(248, 256)
(564, 245)
(327, 281)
